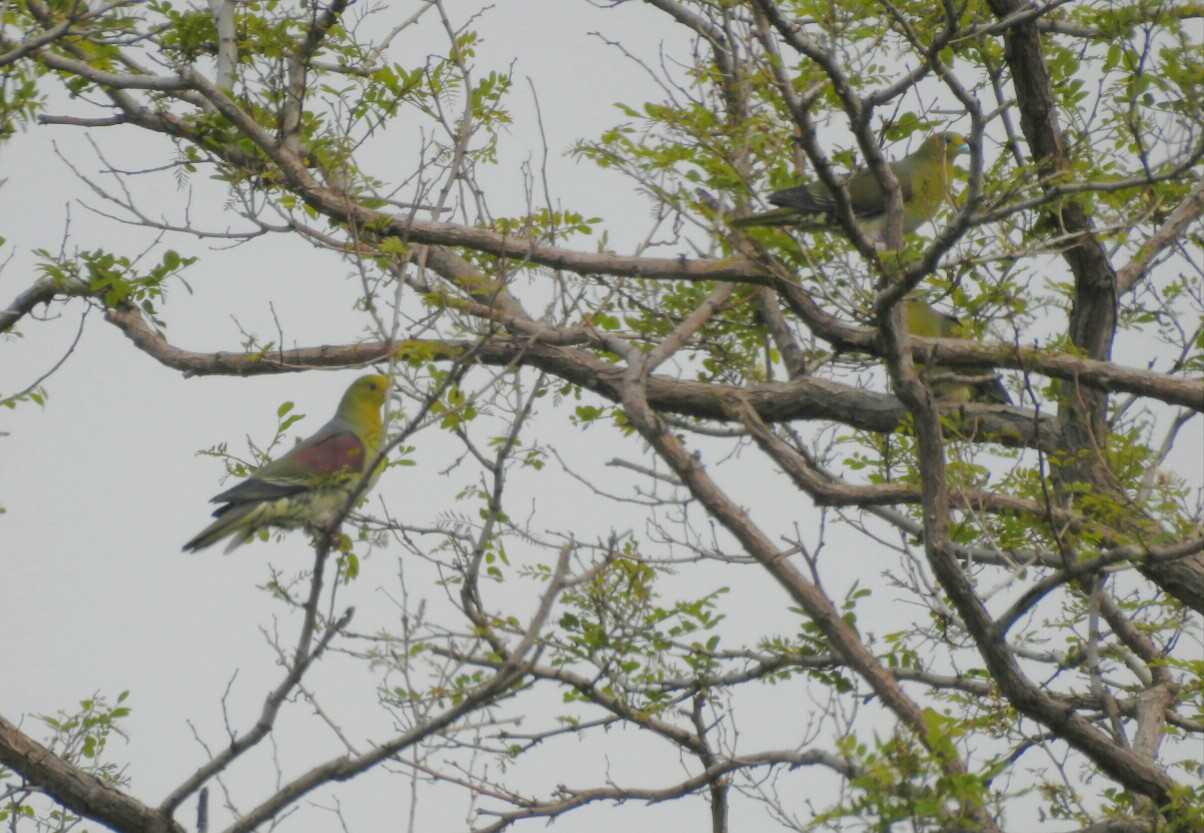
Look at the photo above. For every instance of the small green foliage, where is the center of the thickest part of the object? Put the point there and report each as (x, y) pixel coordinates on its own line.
(81, 738)
(349, 566)
(455, 409)
(190, 33)
(20, 99)
(562, 224)
(583, 415)
(115, 279)
(37, 395)
(616, 624)
(238, 467)
(285, 418)
(900, 779)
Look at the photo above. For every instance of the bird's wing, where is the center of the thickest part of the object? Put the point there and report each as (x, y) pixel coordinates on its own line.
(325, 453)
(254, 490)
(805, 199)
(865, 193)
(865, 196)
(341, 451)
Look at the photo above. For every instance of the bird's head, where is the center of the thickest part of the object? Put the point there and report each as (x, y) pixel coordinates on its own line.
(366, 394)
(953, 144)
(944, 146)
(921, 319)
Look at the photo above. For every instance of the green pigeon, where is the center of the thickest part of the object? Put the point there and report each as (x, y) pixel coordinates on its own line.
(923, 177)
(310, 484)
(963, 384)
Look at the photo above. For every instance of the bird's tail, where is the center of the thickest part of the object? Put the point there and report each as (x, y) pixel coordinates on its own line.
(992, 390)
(971, 384)
(783, 218)
(776, 217)
(231, 520)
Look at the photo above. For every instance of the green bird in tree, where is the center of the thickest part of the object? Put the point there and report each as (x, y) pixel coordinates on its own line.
(924, 178)
(310, 484)
(962, 384)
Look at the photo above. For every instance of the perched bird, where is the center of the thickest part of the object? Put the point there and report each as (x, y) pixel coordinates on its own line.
(311, 483)
(923, 178)
(961, 384)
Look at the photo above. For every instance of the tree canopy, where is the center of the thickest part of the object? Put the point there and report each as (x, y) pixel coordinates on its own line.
(677, 512)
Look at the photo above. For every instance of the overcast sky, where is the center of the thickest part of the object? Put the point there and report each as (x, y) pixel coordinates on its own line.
(103, 484)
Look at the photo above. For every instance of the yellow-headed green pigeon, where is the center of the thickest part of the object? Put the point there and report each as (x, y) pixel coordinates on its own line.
(923, 177)
(310, 484)
(963, 384)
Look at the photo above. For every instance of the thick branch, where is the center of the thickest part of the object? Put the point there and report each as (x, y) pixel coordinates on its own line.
(1120, 763)
(826, 490)
(1082, 413)
(43, 291)
(840, 635)
(80, 792)
(798, 399)
(1185, 213)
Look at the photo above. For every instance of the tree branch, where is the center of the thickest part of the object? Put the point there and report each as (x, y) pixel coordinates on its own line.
(80, 792)
(798, 399)
(42, 291)
(1185, 213)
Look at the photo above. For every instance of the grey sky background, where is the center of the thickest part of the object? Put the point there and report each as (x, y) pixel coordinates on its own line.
(103, 484)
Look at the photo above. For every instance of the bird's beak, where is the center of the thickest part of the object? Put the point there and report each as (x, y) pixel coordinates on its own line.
(963, 148)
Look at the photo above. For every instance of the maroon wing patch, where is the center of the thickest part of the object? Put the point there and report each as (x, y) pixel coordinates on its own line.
(337, 452)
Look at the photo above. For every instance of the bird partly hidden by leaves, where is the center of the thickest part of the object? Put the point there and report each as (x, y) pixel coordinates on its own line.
(310, 484)
(924, 179)
(960, 384)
